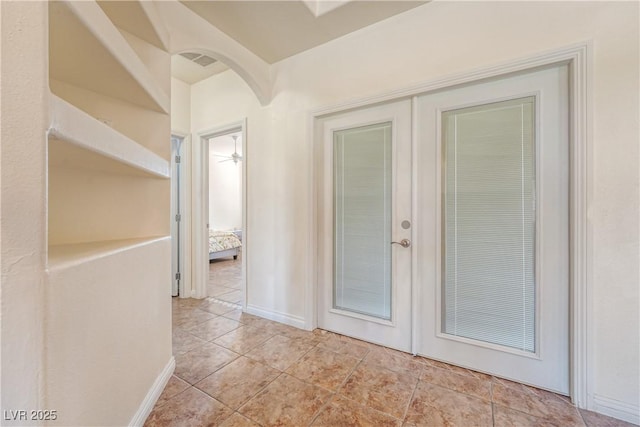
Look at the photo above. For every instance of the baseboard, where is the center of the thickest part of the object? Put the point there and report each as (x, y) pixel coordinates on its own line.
(616, 409)
(277, 316)
(154, 393)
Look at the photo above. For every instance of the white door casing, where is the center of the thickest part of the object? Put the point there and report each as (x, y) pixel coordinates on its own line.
(548, 366)
(200, 206)
(395, 331)
(177, 228)
(577, 57)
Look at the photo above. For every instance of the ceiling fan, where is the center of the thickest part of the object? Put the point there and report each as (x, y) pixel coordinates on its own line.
(234, 156)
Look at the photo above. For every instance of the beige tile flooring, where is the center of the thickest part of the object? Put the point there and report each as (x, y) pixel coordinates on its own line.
(225, 279)
(235, 369)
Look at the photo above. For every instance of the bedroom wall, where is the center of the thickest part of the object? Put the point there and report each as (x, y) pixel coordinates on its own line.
(432, 41)
(225, 187)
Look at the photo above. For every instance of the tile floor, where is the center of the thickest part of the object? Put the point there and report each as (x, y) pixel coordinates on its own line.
(225, 279)
(235, 369)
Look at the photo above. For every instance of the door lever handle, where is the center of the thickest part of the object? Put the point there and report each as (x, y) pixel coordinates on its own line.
(405, 243)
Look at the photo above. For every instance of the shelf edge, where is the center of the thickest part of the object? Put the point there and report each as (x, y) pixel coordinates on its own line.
(73, 125)
(81, 253)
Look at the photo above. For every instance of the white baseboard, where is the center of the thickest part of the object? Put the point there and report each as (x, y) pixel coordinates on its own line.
(152, 396)
(277, 316)
(616, 409)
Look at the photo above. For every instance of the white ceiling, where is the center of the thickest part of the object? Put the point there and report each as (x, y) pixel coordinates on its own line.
(275, 30)
(224, 144)
(190, 72)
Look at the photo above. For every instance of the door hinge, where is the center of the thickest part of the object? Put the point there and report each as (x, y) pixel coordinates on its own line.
(178, 276)
(177, 159)
(178, 217)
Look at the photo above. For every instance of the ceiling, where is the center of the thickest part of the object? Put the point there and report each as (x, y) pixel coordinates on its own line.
(275, 30)
(224, 144)
(191, 72)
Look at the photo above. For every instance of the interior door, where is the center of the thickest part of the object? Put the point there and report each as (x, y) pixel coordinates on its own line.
(493, 243)
(365, 225)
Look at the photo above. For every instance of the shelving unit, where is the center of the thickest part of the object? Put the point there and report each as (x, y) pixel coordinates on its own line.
(91, 53)
(108, 209)
(73, 126)
(63, 257)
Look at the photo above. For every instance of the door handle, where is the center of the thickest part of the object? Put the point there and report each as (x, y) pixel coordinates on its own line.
(405, 243)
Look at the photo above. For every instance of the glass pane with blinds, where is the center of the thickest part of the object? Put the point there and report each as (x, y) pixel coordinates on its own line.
(489, 209)
(362, 218)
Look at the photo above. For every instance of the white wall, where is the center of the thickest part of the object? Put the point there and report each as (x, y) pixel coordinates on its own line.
(23, 221)
(432, 41)
(180, 106)
(225, 187)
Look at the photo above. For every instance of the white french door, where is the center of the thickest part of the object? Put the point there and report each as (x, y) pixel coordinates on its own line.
(365, 225)
(493, 250)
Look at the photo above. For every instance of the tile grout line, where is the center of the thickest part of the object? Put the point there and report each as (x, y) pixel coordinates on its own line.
(415, 387)
(321, 408)
(334, 394)
(493, 406)
(174, 396)
(268, 384)
(258, 392)
(582, 417)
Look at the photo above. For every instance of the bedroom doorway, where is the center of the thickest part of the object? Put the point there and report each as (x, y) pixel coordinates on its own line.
(221, 260)
(225, 217)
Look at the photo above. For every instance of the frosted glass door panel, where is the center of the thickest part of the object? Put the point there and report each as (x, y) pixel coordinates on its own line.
(489, 223)
(362, 220)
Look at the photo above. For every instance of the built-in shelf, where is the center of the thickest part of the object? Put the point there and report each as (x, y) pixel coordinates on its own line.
(70, 255)
(108, 207)
(90, 52)
(94, 140)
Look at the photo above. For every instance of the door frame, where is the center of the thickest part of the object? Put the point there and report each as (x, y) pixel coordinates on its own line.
(578, 57)
(184, 287)
(200, 206)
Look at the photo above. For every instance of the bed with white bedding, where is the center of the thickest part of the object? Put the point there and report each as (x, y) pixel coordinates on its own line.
(224, 244)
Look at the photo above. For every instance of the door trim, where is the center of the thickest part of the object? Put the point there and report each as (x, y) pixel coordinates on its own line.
(200, 207)
(185, 288)
(578, 57)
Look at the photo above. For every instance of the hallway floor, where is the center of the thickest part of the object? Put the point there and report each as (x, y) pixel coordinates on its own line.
(235, 369)
(225, 280)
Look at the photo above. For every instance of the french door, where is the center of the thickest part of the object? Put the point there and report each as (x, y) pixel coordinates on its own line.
(491, 226)
(365, 225)
(493, 239)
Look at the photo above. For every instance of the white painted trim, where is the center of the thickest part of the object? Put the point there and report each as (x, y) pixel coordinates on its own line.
(616, 409)
(416, 291)
(184, 288)
(187, 255)
(580, 193)
(200, 206)
(154, 393)
(277, 316)
(578, 56)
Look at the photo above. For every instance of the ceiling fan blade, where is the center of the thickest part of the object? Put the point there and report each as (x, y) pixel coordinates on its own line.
(222, 161)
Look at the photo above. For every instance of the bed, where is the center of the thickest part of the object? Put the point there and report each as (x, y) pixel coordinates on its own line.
(224, 244)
